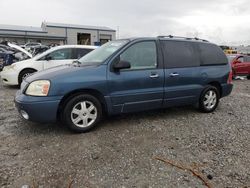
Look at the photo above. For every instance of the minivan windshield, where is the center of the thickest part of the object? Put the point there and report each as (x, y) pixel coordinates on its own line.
(99, 55)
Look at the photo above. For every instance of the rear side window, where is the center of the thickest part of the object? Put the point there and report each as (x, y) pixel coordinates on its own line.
(178, 54)
(211, 54)
(246, 59)
(80, 52)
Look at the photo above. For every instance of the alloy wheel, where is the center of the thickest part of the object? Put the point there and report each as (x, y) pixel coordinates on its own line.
(210, 99)
(84, 114)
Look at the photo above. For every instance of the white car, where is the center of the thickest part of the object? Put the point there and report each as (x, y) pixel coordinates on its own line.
(60, 55)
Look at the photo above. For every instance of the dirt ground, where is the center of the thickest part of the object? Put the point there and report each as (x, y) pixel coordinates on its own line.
(121, 151)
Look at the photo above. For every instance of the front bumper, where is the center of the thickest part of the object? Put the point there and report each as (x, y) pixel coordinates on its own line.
(39, 109)
(9, 77)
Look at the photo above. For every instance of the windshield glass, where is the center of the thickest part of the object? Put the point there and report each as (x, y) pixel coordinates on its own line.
(99, 55)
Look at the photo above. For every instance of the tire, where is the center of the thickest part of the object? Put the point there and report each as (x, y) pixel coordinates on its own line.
(82, 112)
(23, 74)
(209, 99)
(248, 77)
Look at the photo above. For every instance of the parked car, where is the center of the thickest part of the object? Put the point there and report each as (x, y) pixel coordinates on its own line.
(60, 55)
(2, 54)
(5, 47)
(28, 45)
(34, 50)
(125, 76)
(240, 65)
(11, 54)
(14, 54)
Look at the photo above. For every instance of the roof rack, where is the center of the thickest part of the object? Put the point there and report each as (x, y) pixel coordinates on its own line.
(187, 38)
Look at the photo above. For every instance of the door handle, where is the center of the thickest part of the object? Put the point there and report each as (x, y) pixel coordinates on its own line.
(174, 74)
(154, 76)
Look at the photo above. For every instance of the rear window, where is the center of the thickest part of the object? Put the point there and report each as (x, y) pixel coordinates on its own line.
(178, 54)
(211, 54)
(246, 58)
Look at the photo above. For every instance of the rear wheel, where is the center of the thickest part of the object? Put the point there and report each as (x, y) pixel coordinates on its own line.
(209, 99)
(24, 74)
(82, 113)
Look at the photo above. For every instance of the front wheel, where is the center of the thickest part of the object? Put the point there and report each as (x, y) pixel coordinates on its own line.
(82, 113)
(209, 99)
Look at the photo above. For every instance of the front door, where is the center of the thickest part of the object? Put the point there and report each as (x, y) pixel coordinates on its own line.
(141, 86)
(242, 66)
(58, 57)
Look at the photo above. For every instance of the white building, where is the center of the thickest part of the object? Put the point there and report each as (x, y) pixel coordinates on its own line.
(57, 33)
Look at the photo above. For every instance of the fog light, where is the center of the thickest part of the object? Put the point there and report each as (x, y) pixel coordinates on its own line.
(24, 114)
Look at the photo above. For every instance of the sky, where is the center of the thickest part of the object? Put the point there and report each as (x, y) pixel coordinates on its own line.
(219, 21)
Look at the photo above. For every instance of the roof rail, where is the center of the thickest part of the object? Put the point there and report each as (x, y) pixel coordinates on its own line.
(178, 37)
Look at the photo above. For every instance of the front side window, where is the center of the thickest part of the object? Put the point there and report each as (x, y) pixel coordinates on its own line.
(61, 54)
(241, 59)
(141, 55)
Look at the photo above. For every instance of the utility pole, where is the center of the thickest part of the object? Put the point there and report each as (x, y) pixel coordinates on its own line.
(118, 30)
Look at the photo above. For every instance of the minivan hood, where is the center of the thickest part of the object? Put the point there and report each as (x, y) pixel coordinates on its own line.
(59, 71)
(20, 49)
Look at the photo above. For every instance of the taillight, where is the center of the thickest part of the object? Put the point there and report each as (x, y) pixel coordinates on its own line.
(230, 77)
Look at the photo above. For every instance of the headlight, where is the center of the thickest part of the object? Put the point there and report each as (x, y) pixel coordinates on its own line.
(9, 67)
(38, 88)
(12, 66)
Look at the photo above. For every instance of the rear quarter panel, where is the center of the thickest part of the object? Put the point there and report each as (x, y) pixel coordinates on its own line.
(215, 73)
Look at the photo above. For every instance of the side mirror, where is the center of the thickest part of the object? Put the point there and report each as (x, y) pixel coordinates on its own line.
(121, 65)
(48, 58)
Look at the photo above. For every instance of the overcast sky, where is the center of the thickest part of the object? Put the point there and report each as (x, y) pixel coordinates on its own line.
(220, 21)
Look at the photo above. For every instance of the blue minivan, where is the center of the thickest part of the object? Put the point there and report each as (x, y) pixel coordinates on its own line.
(127, 75)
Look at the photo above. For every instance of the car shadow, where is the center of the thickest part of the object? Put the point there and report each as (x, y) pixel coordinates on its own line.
(16, 87)
(108, 122)
(151, 115)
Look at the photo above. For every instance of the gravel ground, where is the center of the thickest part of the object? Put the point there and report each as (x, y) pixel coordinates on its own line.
(120, 151)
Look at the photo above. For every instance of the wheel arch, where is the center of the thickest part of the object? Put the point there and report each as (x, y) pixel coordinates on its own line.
(25, 69)
(76, 92)
(217, 85)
